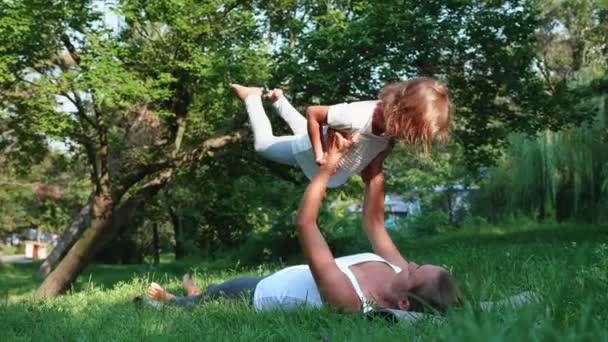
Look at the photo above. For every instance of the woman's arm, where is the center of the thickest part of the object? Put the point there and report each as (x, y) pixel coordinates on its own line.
(373, 211)
(334, 286)
(316, 116)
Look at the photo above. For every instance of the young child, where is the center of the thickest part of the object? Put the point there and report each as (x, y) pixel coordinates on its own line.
(415, 111)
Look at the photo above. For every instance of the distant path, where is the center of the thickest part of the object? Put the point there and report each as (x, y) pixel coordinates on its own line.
(15, 259)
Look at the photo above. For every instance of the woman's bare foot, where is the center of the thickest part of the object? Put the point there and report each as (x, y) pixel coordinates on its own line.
(242, 92)
(189, 287)
(156, 292)
(275, 94)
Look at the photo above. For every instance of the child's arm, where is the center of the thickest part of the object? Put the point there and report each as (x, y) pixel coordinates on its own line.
(316, 116)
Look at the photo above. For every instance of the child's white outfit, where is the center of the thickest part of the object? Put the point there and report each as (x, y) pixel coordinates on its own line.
(297, 150)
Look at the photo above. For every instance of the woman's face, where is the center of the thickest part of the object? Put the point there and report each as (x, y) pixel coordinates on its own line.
(416, 276)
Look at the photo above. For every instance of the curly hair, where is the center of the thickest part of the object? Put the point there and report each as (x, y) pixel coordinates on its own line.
(416, 111)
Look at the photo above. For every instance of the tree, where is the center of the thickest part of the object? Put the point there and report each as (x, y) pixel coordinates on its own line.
(561, 175)
(484, 50)
(46, 197)
(145, 101)
(149, 104)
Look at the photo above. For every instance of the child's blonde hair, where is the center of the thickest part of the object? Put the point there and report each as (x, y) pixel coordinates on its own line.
(416, 111)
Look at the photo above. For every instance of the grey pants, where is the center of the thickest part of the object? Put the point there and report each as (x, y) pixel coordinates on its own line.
(238, 288)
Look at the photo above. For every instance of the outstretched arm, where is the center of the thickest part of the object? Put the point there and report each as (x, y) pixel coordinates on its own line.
(373, 211)
(316, 116)
(334, 286)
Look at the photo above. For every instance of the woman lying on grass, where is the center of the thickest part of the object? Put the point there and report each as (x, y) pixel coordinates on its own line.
(361, 282)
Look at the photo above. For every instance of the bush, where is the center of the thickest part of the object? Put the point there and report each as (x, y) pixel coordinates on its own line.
(342, 230)
(428, 223)
(278, 244)
(347, 239)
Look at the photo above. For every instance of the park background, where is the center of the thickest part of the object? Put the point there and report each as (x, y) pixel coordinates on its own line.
(119, 133)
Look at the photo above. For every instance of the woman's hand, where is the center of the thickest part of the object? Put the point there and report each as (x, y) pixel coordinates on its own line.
(338, 144)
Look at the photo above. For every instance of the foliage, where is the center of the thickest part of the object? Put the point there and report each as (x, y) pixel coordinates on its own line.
(560, 175)
(428, 223)
(132, 101)
(485, 51)
(417, 176)
(128, 87)
(46, 197)
(143, 99)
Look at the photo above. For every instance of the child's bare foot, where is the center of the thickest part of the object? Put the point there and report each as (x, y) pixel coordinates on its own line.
(275, 94)
(156, 292)
(189, 287)
(242, 92)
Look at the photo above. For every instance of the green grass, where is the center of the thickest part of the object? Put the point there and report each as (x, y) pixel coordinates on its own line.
(567, 264)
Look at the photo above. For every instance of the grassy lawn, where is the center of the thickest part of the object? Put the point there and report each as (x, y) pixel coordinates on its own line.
(568, 265)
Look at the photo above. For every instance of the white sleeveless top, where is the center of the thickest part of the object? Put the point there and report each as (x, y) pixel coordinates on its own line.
(295, 286)
(353, 117)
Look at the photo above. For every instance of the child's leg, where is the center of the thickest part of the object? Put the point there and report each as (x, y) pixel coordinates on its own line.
(265, 143)
(295, 120)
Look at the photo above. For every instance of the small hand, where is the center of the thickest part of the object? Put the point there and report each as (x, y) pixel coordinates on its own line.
(321, 159)
(339, 143)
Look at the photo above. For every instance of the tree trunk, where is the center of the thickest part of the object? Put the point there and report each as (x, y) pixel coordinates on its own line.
(108, 220)
(450, 194)
(60, 279)
(179, 234)
(107, 223)
(70, 235)
(156, 244)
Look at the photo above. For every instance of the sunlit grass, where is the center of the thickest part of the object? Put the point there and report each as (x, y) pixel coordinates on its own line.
(568, 265)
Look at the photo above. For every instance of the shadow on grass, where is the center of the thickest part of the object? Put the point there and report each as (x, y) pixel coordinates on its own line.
(558, 233)
(17, 279)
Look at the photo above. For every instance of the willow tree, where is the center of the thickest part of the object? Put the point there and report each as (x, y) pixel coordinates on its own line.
(140, 101)
(562, 174)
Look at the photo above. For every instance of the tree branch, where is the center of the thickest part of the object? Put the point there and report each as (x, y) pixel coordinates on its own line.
(543, 70)
(123, 215)
(215, 142)
(103, 150)
(81, 112)
(71, 49)
(92, 157)
(218, 140)
(133, 178)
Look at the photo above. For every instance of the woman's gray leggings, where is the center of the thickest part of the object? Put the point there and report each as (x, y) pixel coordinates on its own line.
(239, 288)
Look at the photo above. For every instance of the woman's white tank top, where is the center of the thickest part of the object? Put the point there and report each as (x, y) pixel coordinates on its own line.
(295, 286)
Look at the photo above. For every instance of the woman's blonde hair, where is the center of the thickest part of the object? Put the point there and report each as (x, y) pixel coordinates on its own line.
(439, 296)
(416, 111)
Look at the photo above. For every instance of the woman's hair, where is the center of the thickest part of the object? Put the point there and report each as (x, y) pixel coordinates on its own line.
(416, 111)
(437, 297)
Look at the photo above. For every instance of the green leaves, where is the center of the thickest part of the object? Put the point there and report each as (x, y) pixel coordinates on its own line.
(485, 51)
(165, 70)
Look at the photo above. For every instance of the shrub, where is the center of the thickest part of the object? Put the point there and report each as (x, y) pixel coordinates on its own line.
(428, 223)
